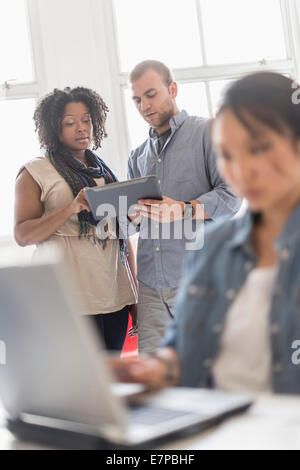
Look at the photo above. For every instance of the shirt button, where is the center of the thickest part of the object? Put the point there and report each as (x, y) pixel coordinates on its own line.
(230, 294)
(207, 363)
(217, 328)
(275, 328)
(277, 368)
(157, 248)
(192, 290)
(284, 255)
(159, 160)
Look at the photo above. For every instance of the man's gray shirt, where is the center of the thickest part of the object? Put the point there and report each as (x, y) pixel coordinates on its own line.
(186, 170)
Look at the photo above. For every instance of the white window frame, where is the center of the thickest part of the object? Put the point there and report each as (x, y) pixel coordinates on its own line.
(31, 89)
(22, 90)
(291, 65)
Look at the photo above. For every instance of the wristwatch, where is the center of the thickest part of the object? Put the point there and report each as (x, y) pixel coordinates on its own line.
(172, 372)
(188, 210)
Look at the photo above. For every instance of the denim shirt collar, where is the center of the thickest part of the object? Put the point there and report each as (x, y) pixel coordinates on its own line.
(243, 232)
(291, 229)
(244, 226)
(175, 123)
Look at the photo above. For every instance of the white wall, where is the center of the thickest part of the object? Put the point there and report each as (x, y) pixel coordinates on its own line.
(71, 48)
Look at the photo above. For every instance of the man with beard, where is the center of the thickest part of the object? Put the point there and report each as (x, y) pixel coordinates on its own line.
(179, 152)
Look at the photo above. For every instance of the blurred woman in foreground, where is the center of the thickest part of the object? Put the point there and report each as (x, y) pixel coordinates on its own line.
(237, 324)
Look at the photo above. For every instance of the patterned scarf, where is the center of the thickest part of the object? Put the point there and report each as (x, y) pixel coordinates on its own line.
(78, 176)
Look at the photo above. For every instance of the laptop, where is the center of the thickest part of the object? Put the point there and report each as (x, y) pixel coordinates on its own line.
(117, 199)
(56, 387)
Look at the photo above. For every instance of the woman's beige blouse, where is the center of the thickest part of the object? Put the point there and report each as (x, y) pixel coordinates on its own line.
(104, 284)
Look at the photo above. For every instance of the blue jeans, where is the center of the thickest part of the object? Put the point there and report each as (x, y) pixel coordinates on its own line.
(112, 328)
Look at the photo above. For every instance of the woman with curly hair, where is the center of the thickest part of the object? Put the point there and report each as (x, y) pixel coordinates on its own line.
(51, 209)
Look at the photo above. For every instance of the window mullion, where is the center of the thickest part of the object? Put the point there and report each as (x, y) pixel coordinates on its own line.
(201, 31)
(286, 28)
(208, 98)
(28, 19)
(204, 56)
(291, 31)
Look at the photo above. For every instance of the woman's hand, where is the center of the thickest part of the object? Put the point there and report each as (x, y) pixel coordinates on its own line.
(80, 203)
(133, 331)
(31, 225)
(151, 371)
(148, 371)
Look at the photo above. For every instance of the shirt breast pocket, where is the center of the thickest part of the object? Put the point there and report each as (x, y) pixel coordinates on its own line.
(200, 301)
(185, 189)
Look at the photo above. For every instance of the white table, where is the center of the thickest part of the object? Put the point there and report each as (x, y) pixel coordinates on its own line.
(273, 422)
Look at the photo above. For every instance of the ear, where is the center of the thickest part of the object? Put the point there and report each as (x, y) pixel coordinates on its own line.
(173, 90)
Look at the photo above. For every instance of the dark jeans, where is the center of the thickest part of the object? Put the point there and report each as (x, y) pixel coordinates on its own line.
(112, 328)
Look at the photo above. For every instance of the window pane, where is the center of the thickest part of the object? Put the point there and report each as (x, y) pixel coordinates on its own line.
(242, 31)
(165, 30)
(15, 55)
(191, 97)
(217, 89)
(138, 129)
(17, 126)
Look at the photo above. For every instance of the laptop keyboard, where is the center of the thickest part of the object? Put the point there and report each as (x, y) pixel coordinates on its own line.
(151, 415)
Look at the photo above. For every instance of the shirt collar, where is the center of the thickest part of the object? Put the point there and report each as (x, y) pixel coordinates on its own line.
(244, 226)
(290, 230)
(175, 123)
(243, 230)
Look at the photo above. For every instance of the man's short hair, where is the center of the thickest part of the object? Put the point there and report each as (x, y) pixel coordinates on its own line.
(155, 65)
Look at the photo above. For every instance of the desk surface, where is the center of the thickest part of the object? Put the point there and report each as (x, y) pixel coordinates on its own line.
(273, 422)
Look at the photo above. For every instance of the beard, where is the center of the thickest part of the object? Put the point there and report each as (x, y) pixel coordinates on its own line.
(165, 116)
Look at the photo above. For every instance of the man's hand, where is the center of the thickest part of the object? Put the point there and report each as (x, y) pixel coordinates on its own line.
(167, 210)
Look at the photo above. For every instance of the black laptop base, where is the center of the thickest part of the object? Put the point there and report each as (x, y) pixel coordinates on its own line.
(65, 439)
(57, 438)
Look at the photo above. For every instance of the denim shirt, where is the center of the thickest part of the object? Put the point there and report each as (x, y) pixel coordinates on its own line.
(212, 280)
(186, 169)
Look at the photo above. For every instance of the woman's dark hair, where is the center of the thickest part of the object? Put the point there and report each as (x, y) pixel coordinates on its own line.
(266, 98)
(49, 113)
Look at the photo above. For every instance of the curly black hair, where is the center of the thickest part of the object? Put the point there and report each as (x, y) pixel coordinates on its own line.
(49, 113)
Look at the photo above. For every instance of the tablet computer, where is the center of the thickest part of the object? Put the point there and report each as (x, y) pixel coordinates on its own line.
(118, 199)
